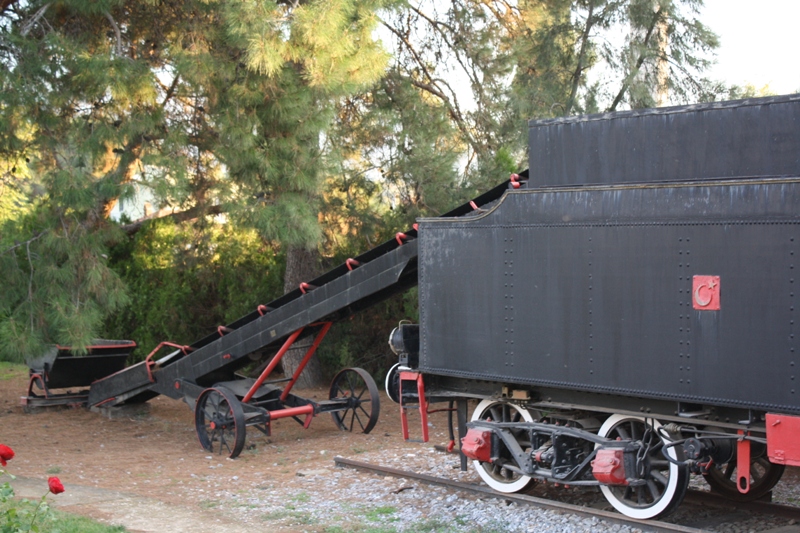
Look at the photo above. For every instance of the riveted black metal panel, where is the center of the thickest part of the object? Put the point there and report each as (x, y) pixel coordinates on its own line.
(591, 288)
(755, 137)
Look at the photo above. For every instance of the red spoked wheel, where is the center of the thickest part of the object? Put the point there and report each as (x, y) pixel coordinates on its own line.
(357, 387)
(219, 421)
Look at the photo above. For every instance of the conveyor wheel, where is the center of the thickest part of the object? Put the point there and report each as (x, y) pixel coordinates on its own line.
(219, 421)
(495, 474)
(666, 482)
(763, 477)
(363, 402)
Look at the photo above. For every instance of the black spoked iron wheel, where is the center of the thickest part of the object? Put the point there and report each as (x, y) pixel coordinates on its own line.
(496, 474)
(219, 421)
(363, 403)
(763, 477)
(665, 482)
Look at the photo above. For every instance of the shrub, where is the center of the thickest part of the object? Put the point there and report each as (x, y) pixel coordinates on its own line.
(19, 518)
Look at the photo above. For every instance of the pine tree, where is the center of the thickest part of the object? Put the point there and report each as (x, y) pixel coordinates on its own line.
(277, 114)
(214, 106)
(493, 65)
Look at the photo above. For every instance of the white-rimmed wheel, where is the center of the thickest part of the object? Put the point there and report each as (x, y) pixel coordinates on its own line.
(665, 482)
(496, 474)
(392, 383)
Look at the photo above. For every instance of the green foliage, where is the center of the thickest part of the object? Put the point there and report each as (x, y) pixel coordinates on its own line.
(384, 512)
(492, 65)
(68, 523)
(291, 122)
(22, 516)
(211, 106)
(183, 283)
(59, 286)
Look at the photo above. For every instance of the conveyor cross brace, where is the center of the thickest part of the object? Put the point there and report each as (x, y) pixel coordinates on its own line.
(293, 412)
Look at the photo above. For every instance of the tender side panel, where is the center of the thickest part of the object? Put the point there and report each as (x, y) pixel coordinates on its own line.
(755, 137)
(595, 289)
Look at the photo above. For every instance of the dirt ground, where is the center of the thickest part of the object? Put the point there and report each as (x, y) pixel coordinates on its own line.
(152, 461)
(146, 470)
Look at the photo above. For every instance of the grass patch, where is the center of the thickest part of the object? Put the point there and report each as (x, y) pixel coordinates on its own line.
(380, 513)
(53, 470)
(68, 523)
(12, 370)
(301, 497)
(432, 526)
(292, 517)
(359, 528)
(54, 521)
(275, 515)
(303, 518)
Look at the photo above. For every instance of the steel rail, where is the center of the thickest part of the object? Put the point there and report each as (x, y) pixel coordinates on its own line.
(644, 525)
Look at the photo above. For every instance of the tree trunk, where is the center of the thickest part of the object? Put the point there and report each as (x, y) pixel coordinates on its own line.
(301, 266)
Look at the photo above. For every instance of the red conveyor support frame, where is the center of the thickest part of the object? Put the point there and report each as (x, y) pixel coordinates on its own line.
(307, 410)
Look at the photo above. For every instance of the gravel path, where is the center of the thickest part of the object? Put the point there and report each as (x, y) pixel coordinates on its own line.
(347, 500)
(341, 500)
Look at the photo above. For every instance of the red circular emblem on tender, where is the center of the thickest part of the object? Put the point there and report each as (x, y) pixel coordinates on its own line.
(705, 293)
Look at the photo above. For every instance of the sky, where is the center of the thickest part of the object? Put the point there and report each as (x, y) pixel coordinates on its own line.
(759, 42)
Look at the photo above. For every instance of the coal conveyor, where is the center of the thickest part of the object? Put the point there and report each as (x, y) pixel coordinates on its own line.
(204, 374)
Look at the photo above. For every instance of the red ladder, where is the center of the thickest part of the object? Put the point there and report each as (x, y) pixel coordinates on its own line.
(407, 375)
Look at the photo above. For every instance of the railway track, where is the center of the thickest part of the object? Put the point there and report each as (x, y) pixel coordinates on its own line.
(716, 510)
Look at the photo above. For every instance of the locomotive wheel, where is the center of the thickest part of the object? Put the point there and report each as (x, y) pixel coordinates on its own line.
(763, 477)
(494, 474)
(392, 383)
(666, 482)
(219, 421)
(363, 401)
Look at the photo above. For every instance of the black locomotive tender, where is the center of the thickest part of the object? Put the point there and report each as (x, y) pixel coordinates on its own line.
(628, 315)
(623, 311)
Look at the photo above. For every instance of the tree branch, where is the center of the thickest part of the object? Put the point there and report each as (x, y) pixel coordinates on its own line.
(454, 112)
(28, 26)
(639, 62)
(30, 280)
(171, 90)
(116, 32)
(26, 243)
(469, 71)
(432, 22)
(576, 76)
(179, 216)
(431, 87)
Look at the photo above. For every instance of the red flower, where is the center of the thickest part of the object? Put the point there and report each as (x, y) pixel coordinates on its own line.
(6, 454)
(55, 485)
